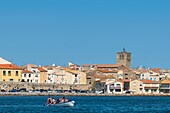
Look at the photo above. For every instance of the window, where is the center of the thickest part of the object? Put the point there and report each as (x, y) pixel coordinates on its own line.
(75, 75)
(11, 80)
(4, 80)
(154, 79)
(9, 73)
(150, 78)
(126, 74)
(25, 75)
(142, 75)
(142, 78)
(155, 90)
(16, 73)
(18, 80)
(29, 75)
(146, 90)
(4, 73)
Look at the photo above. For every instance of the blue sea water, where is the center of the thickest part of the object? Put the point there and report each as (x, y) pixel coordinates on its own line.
(84, 104)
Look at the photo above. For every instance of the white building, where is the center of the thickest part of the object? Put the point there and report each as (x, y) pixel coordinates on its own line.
(150, 76)
(115, 87)
(36, 73)
(27, 76)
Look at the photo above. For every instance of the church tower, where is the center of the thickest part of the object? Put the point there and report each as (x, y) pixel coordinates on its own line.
(124, 58)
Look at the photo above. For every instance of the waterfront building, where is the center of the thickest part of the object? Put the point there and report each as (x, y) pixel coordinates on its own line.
(165, 86)
(102, 81)
(75, 77)
(60, 75)
(43, 75)
(150, 87)
(115, 87)
(136, 86)
(144, 87)
(36, 73)
(10, 73)
(27, 76)
(124, 58)
(52, 78)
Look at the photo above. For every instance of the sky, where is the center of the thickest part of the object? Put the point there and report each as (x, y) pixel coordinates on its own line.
(48, 32)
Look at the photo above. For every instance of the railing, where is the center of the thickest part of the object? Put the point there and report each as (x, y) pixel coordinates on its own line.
(164, 87)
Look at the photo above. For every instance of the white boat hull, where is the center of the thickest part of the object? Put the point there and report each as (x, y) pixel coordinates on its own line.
(66, 104)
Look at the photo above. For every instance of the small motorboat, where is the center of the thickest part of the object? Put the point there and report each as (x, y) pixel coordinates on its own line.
(65, 104)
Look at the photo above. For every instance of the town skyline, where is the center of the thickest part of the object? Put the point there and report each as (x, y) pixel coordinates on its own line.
(84, 32)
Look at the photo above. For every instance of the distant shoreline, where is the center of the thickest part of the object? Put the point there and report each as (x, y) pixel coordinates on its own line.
(70, 94)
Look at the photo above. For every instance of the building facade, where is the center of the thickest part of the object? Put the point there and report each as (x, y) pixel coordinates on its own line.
(10, 73)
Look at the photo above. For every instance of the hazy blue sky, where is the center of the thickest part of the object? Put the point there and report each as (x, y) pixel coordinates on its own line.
(85, 31)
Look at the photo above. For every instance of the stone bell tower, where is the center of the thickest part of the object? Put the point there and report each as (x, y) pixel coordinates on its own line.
(124, 58)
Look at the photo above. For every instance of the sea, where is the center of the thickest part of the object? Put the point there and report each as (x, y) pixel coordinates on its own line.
(87, 104)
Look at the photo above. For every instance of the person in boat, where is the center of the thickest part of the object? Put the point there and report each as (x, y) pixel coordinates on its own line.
(66, 100)
(53, 101)
(49, 100)
(62, 100)
(57, 100)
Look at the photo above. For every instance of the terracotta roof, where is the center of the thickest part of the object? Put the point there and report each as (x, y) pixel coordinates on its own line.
(9, 66)
(107, 71)
(165, 82)
(24, 67)
(71, 72)
(105, 76)
(41, 69)
(26, 71)
(149, 82)
(157, 70)
(108, 65)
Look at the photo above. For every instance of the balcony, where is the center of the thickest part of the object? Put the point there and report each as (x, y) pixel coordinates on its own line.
(165, 87)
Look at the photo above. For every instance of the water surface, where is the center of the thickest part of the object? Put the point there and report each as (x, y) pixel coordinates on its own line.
(84, 104)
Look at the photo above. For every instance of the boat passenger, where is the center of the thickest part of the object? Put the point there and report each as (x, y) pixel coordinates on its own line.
(66, 100)
(57, 100)
(49, 100)
(62, 100)
(53, 101)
